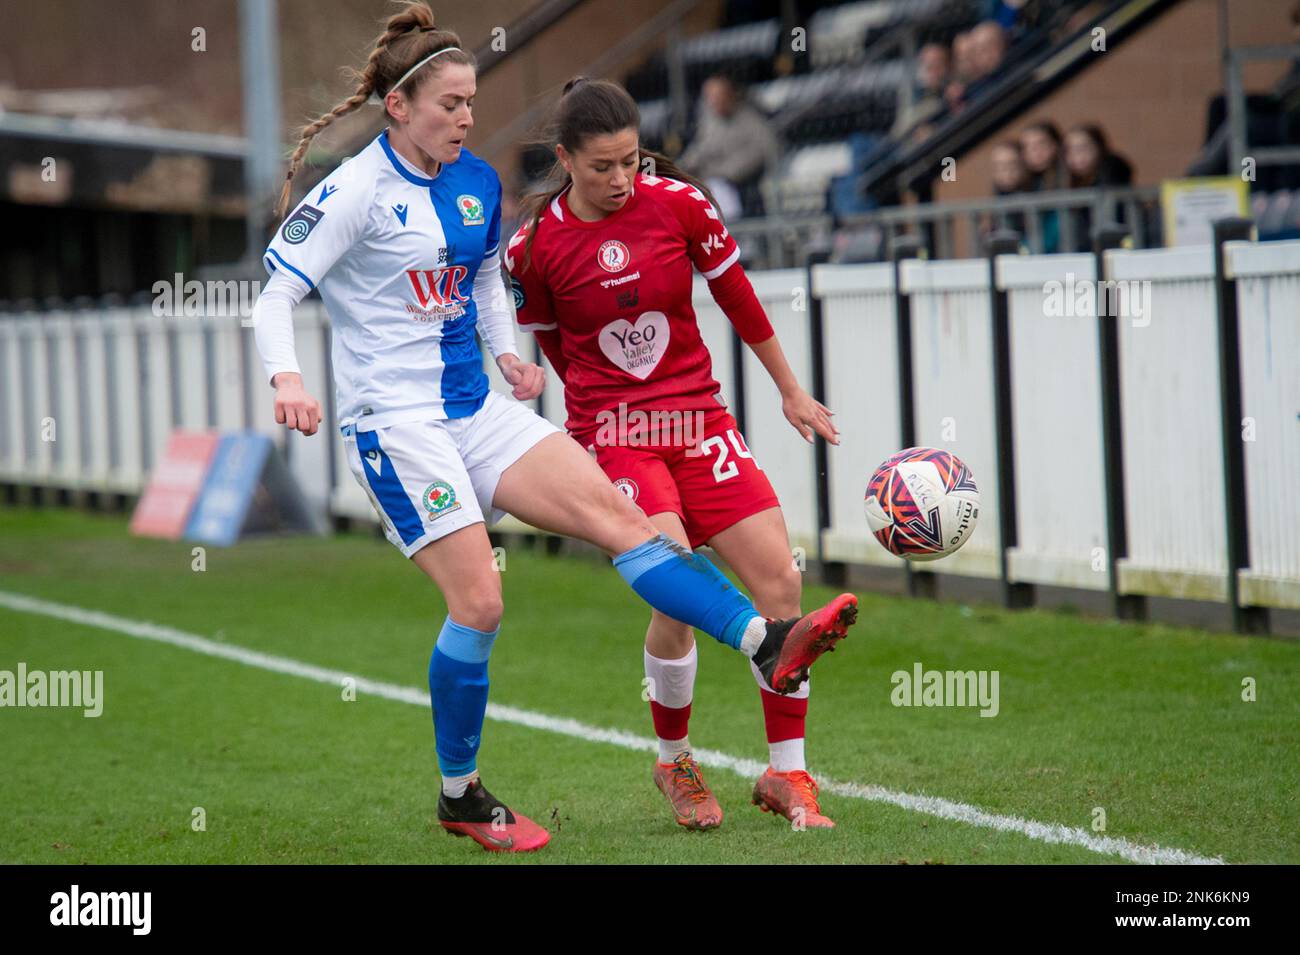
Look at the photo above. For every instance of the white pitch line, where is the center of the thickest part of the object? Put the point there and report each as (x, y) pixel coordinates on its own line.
(928, 805)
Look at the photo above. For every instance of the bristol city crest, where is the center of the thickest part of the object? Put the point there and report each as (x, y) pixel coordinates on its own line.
(613, 256)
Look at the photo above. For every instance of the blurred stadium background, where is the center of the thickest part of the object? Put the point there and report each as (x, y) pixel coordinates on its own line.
(141, 151)
(913, 183)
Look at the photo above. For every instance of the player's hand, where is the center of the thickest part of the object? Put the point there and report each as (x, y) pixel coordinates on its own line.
(293, 406)
(527, 379)
(809, 415)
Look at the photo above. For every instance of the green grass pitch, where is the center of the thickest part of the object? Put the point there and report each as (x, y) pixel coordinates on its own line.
(1146, 722)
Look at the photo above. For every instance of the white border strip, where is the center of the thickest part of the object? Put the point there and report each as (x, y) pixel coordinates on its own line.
(1053, 833)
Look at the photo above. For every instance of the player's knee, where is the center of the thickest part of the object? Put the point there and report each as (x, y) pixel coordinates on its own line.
(616, 523)
(671, 639)
(479, 608)
(778, 594)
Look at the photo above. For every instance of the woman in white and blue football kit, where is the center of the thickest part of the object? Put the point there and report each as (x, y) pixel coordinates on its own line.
(401, 241)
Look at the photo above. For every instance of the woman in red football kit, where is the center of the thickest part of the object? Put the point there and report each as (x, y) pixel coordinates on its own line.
(602, 274)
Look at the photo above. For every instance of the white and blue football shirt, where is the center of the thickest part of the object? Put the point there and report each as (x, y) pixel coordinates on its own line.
(394, 255)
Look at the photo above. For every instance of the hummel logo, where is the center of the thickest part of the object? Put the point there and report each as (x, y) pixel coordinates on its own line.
(471, 740)
(400, 211)
(326, 191)
(711, 243)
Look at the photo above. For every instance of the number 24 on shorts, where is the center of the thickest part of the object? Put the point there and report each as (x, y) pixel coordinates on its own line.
(722, 467)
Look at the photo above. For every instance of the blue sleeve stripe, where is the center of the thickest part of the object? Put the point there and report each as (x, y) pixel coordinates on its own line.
(301, 275)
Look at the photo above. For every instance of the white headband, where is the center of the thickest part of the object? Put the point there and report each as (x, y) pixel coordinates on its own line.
(411, 71)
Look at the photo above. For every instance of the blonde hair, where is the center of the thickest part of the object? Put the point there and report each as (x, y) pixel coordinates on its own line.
(409, 37)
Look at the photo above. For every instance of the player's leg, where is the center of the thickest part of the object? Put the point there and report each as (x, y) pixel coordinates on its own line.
(417, 482)
(670, 666)
(642, 474)
(757, 548)
(557, 486)
(461, 564)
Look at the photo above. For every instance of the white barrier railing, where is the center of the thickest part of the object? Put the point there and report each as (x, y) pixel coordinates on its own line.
(1173, 451)
(952, 376)
(1268, 296)
(114, 382)
(859, 349)
(1056, 411)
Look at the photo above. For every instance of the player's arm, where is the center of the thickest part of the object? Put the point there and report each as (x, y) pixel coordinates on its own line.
(273, 332)
(497, 326)
(551, 348)
(320, 229)
(534, 309)
(714, 253)
(735, 296)
(496, 320)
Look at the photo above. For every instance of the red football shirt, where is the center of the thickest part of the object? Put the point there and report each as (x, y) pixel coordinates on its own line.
(618, 291)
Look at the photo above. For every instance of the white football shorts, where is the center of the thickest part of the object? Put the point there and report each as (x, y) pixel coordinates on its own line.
(430, 477)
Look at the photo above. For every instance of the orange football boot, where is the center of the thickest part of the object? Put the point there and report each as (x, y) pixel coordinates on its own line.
(793, 795)
(693, 802)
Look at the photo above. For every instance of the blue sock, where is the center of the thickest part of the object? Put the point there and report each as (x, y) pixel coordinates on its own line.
(458, 687)
(687, 587)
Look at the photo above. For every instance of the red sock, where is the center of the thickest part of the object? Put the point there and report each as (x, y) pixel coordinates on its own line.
(670, 723)
(784, 716)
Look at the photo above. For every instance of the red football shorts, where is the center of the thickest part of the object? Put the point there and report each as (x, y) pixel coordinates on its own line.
(711, 481)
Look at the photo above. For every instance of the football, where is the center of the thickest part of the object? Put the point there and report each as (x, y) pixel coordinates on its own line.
(922, 503)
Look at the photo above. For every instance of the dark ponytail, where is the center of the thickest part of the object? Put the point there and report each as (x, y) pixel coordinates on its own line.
(592, 108)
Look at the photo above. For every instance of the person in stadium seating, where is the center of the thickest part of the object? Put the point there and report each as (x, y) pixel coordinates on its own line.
(962, 73)
(734, 145)
(402, 242)
(1009, 177)
(1040, 145)
(933, 62)
(602, 273)
(1091, 164)
(1090, 161)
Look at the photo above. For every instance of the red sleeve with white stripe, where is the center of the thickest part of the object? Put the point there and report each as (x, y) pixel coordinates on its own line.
(533, 308)
(710, 246)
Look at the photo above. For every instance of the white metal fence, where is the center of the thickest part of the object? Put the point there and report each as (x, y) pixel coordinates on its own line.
(114, 382)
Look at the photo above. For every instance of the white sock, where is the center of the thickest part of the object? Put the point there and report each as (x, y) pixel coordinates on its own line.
(787, 755)
(453, 787)
(755, 631)
(670, 749)
(672, 682)
(672, 685)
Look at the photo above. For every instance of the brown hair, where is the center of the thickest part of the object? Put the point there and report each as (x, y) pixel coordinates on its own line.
(408, 38)
(591, 108)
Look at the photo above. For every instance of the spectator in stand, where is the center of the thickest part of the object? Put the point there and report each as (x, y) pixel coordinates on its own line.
(978, 56)
(1091, 165)
(962, 73)
(1040, 144)
(932, 65)
(988, 49)
(1090, 162)
(1009, 173)
(733, 146)
(1009, 178)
